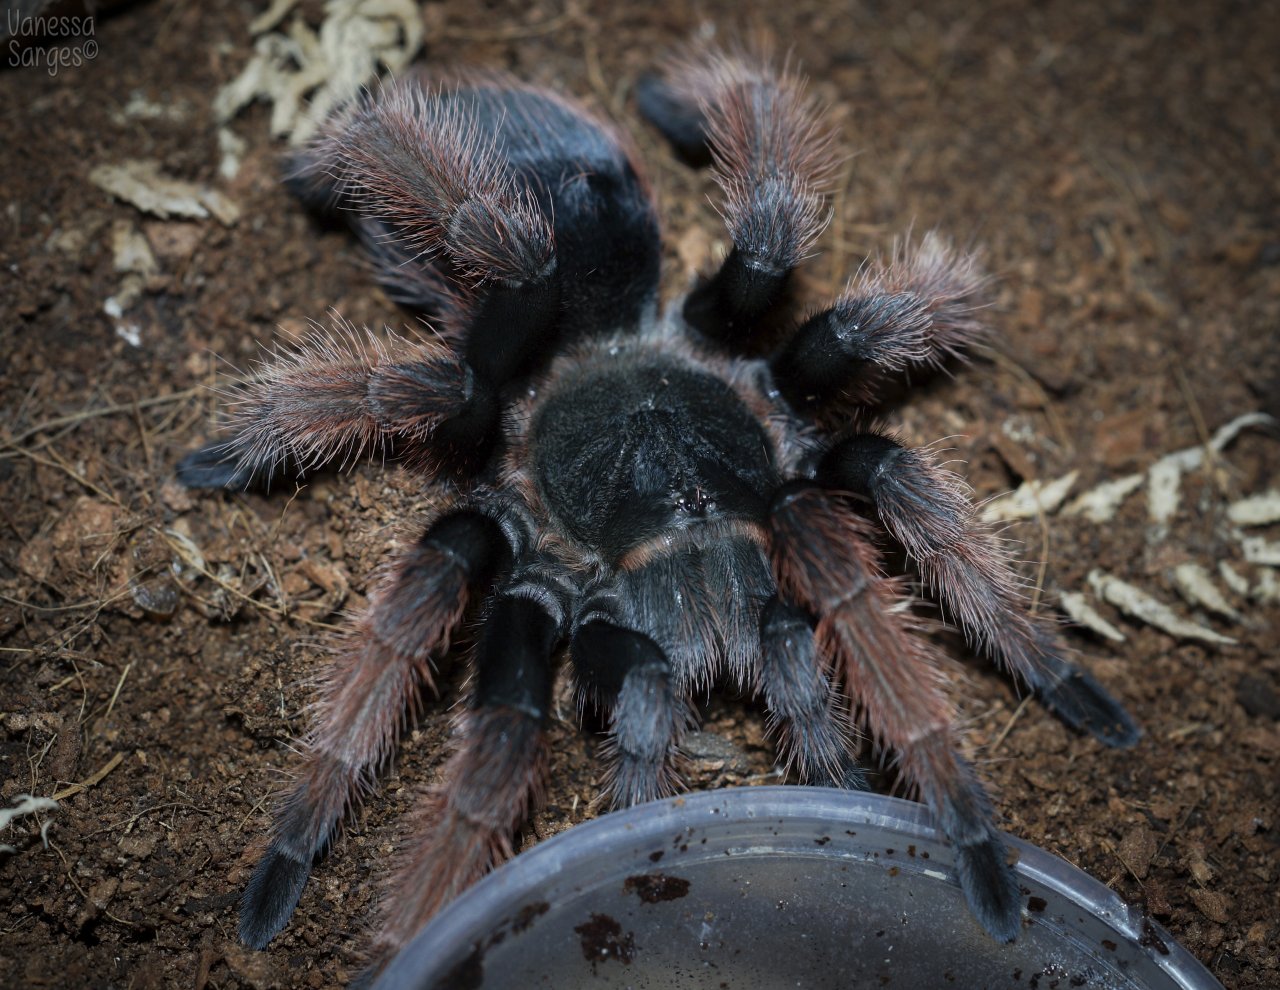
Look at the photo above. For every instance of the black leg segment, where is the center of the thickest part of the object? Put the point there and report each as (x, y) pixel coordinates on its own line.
(803, 702)
(628, 673)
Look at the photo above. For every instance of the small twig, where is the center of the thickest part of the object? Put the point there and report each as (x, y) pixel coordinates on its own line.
(142, 433)
(70, 472)
(116, 693)
(279, 523)
(128, 822)
(1043, 522)
(515, 32)
(96, 603)
(253, 811)
(45, 650)
(1211, 458)
(88, 782)
(74, 419)
(1123, 862)
(1017, 712)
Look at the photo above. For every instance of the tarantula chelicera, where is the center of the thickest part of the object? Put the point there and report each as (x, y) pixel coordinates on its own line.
(648, 493)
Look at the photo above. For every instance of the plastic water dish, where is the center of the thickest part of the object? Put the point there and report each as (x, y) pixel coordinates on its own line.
(770, 887)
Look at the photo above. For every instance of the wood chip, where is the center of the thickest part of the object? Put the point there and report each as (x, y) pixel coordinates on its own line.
(1138, 849)
(1077, 606)
(1212, 905)
(142, 184)
(1139, 605)
(1100, 504)
(1165, 476)
(1030, 500)
(1257, 510)
(1197, 587)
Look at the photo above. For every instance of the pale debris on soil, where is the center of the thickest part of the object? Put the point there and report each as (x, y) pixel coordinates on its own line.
(1233, 579)
(1198, 589)
(131, 255)
(1081, 612)
(1164, 480)
(142, 184)
(25, 804)
(1267, 589)
(1100, 504)
(331, 66)
(1031, 499)
(1257, 510)
(1259, 551)
(231, 148)
(1165, 476)
(1138, 604)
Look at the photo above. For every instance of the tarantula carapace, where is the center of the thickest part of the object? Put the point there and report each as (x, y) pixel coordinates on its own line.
(647, 493)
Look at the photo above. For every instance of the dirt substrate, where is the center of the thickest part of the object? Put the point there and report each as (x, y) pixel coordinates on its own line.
(1116, 161)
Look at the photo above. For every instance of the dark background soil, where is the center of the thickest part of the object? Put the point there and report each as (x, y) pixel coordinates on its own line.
(1117, 161)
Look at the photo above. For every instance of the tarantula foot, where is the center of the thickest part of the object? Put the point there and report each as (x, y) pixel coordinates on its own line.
(990, 886)
(271, 895)
(219, 465)
(1082, 703)
(367, 976)
(852, 775)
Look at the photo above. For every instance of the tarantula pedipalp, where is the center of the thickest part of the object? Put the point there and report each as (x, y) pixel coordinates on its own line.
(647, 492)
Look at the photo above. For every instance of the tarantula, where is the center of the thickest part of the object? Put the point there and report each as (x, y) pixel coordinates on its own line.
(648, 492)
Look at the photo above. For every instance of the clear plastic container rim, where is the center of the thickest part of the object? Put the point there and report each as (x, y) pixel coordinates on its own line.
(524, 876)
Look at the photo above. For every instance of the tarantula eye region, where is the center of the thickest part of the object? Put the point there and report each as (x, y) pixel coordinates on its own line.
(694, 502)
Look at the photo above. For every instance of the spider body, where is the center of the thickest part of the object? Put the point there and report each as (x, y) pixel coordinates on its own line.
(643, 445)
(645, 493)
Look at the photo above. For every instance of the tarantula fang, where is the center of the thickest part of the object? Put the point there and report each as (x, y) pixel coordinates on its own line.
(651, 493)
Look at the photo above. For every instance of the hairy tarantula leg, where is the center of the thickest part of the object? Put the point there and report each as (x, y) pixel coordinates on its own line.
(825, 561)
(494, 779)
(773, 158)
(338, 395)
(628, 672)
(916, 311)
(967, 567)
(363, 704)
(418, 163)
(812, 731)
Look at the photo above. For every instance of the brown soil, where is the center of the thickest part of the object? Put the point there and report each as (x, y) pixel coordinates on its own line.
(1116, 160)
